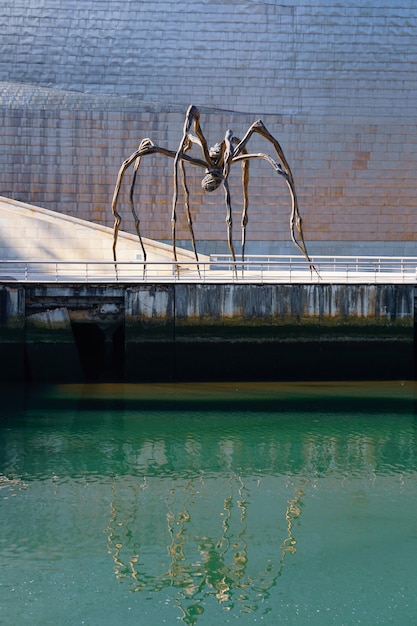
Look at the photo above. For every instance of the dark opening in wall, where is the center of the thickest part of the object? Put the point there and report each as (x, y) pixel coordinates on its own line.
(118, 357)
(101, 352)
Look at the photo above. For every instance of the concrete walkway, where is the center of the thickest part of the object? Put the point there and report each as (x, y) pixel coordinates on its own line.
(31, 233)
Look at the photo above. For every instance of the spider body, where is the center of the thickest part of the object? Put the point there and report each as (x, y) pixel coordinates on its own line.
(216, 162)
(212, 180)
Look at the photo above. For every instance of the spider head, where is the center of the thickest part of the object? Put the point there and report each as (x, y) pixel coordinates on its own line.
(212, 180)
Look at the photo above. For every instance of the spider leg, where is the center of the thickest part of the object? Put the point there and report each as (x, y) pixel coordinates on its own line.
(174, 209)
(144, 143)
(192, 117)
(229, 220)
(227, 155)
(295, 218)
(260, 128)
(245, 184)
(149, 148)
(188, 210)
(284, 170)
(245, 219)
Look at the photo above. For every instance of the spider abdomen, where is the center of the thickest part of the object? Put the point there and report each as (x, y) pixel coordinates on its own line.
(212, 180)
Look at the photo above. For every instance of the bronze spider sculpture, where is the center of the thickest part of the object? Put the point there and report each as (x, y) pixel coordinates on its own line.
(216, 162)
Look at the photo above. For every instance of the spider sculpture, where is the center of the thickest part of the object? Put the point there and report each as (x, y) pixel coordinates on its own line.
(216, 163)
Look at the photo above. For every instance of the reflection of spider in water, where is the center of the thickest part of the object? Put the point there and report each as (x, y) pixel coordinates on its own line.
(216, 163)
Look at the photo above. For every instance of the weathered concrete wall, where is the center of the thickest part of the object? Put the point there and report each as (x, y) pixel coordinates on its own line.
(335, 82)
(189, 331)
(51, 351)
(12, 324)
(269, 331)
(200, 306)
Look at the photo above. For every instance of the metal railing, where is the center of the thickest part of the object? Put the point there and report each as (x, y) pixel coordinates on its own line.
(220, 269)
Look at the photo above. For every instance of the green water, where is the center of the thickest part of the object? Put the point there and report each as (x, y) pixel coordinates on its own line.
(209, 504)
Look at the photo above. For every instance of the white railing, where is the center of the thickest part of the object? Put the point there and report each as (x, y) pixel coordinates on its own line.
(220, 269)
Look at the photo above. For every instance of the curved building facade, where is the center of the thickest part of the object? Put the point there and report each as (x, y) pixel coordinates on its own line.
(83, 81)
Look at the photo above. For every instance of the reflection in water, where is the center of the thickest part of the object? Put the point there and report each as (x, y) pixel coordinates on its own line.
(210, 515)
(198, 566)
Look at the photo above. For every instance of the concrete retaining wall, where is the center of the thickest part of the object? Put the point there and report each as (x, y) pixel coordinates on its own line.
(188, 332)
(268, 332)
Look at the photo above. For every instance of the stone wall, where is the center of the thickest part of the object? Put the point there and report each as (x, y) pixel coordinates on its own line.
(84, 82)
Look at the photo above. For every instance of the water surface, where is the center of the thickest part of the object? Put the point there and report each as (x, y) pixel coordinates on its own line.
(209, 503)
